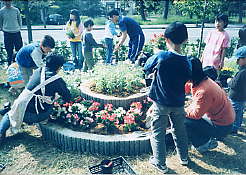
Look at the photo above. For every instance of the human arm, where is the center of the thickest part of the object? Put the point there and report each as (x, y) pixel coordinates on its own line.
(222, 58)
(19, 19)
(1, 21)
(237, 82)
(200, 104)
(63, 91)
(89, 38)
(124, 36)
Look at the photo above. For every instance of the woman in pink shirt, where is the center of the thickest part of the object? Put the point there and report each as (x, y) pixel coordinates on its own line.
(216, 42)
(210, 115)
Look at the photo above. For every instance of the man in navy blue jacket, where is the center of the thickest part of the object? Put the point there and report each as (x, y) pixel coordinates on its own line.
(171, 71)
(130, 27)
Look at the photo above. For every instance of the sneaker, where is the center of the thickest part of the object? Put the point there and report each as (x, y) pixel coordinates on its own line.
(184, 162)
(161, 168)
(211, 144)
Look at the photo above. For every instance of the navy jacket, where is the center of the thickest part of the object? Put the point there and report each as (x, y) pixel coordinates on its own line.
(172, 72)
(58, 86)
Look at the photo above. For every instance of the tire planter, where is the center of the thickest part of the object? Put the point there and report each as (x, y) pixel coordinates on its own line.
(124, 102)
(135, 143)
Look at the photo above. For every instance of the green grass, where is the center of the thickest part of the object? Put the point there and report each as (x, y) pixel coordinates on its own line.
(28, 153)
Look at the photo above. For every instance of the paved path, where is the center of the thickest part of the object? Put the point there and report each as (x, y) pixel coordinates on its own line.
(59, 34)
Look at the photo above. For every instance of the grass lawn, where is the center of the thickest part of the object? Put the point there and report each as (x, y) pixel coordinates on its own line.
(28, 153)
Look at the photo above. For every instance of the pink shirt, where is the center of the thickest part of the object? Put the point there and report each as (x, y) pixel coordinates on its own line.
(216, 41)
(210, 99)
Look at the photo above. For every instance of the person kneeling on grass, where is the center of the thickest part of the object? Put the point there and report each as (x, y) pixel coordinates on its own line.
(210, 115)
(34, 104)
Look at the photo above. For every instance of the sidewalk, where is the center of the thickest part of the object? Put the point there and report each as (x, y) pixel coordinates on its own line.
(101, 27)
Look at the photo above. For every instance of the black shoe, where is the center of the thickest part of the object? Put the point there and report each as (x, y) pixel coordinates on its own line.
(2, 167)
(6, 108)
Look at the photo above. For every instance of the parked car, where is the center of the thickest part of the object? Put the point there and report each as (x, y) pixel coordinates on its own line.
(55, 19)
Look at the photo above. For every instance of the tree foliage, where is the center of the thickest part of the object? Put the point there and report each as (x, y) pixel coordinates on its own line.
(196, 8)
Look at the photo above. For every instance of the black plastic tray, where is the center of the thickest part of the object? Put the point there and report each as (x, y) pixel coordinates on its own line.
(120, 166)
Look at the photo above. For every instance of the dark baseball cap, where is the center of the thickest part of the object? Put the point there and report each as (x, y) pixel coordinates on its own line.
(176, 32)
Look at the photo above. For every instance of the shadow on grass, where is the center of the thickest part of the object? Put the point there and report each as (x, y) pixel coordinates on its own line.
(234, 163)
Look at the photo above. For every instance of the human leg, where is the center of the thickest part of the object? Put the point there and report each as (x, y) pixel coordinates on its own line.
(31, 118)
(137, 46)
(74, 53)
(80, 55)
(158, 127)
(18, 41)
(239, 110)
(109, 44)
(9, 46)
(177, 117)
(198, 131)
(4, 125)
(89, 62)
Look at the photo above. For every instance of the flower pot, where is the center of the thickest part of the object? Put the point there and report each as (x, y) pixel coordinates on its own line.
(107, 166)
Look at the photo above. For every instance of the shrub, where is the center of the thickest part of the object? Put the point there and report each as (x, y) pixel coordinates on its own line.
(118, 80)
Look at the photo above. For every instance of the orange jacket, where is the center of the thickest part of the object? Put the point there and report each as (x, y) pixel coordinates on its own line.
(210, 99)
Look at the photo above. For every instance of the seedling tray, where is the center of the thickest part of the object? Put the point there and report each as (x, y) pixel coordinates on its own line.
(120, 166)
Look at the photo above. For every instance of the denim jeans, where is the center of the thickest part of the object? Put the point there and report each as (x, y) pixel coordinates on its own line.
(29, 118)
(77, 50)
(109, 52)
(238, 107)
(160, 116)
(200, 131)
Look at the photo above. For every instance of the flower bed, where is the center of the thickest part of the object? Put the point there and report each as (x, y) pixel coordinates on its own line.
(91, 116)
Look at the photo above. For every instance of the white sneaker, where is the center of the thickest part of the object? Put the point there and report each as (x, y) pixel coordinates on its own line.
(184, 162)
(161, 168)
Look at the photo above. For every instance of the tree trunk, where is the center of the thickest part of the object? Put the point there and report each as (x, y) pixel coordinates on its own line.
(166, 9)
(43, 16)
(141, 3)
(28, 22)
(240, 11)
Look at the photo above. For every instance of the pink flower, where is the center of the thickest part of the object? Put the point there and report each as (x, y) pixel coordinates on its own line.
(81, 122)
(68, 116)
(76, 117)
(129, 119)
(112, 117)
(108, 107)
(89, 119)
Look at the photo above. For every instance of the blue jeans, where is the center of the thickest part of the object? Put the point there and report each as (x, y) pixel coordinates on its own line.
(109, 52)
(29, 118)
(77, 50)
(200, 131)
(238, 107)
(159, 121)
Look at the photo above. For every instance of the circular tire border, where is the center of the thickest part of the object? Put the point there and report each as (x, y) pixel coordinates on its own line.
(135, 143)
(124, 102)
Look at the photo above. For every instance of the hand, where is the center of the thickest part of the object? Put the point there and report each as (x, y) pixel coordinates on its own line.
(117, 47)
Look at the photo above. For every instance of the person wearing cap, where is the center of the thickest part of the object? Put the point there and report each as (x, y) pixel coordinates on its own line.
(34, 104)
(216, 43)
(171, 71)
(237, 88)
(130, 27)
(210, 115)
